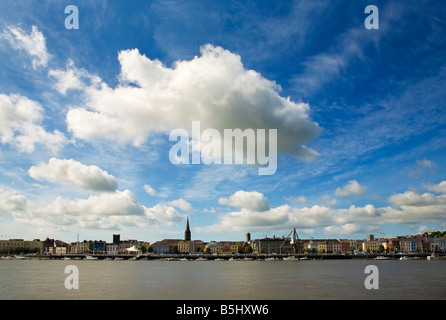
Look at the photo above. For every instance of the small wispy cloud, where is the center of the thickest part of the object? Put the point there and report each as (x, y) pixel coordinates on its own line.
(350, 189)
(32, 43)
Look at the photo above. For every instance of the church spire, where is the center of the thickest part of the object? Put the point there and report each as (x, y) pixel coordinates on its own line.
(187, 236)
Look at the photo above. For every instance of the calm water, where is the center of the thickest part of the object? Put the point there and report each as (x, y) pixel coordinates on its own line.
(241, 280)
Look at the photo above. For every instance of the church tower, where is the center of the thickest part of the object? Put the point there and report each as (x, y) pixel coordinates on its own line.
(187, 236)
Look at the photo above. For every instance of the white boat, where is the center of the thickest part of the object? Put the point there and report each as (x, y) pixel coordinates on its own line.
(118, 258)
(409, 258)
(434, 256)
(87, 257)
(17, 257)
(290, 258)
(201, 259)
(382, 258)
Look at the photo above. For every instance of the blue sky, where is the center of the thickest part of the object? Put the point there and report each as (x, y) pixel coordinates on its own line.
(86, 113)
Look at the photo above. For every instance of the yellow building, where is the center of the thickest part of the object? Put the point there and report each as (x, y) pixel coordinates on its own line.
(372, 245)
(84, 246)
(185, 246)
(322, 247)
(235, 247)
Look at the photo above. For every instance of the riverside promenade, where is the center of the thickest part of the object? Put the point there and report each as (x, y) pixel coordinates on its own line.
(219, 257)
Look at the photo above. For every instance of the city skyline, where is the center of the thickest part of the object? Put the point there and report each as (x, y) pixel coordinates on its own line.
(86, 113)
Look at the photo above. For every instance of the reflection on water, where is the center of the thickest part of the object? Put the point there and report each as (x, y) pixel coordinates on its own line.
(222, 280)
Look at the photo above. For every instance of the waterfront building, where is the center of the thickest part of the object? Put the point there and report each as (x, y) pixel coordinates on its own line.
(441, 244)
(322, 247)
(331, 244)
(72, 247)
(272, 245)
(112, 249)
(84, 246)
(99, 246)
(371, 245)
(51, 246)
(356, 245)
(20, 245)
(235, 247)
(185, 246)
(59, 250)
(198, 245)
(211, 247)
(165, 246)
(438, 245)
(345, 245)
(228, 247)
(310, 246)
(144, 245)
(223, 247)
(408, 244)
(393, 244)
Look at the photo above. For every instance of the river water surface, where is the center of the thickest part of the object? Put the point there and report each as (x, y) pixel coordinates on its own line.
(222, 280)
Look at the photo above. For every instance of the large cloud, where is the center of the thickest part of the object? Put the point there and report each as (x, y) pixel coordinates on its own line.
(72, 172)
(213, 88)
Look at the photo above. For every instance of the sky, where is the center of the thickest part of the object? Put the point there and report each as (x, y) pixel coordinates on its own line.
(87, 113)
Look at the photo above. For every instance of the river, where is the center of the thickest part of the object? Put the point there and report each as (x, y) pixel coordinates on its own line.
(222, 280)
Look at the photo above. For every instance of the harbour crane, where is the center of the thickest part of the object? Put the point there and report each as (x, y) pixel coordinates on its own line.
(293, 241)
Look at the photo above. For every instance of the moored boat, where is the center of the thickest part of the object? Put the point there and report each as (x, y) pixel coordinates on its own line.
(409, 258)
(382, 258)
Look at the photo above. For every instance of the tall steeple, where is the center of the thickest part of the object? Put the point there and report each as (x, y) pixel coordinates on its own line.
(187, 236)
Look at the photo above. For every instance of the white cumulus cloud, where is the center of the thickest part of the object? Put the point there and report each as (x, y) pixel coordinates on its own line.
(182, 204)
(251, 200)
(351, 188)
(213, 88)
(438, 188)
(72, 78)
(21, 125)
(74, 173)
(110, 210)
